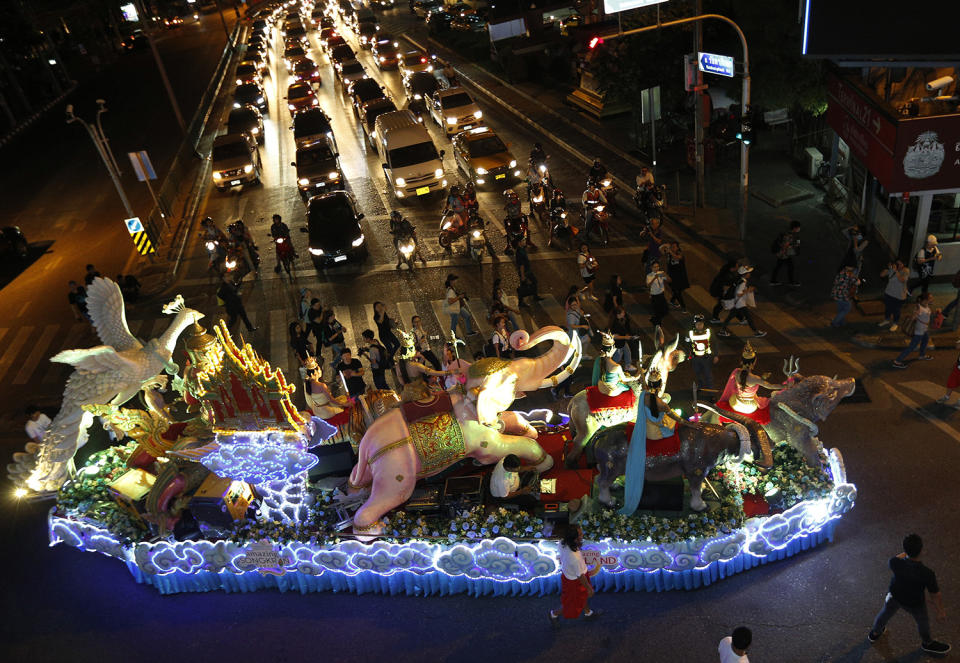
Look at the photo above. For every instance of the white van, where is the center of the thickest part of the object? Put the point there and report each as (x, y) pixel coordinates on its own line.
(413, 167)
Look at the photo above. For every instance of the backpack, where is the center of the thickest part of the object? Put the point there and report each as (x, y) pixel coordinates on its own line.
(777, 243)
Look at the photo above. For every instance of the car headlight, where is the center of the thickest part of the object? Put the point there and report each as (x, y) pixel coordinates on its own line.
(358, 241)
(401, 182)
(315, 102)
(259, 100)
(438, 172)
(255, 131)
(315, 252)
(303, 181)
(417, 97)
(239, 82)
(451, 120)
(333, 175)
(513, 163)
(248, 168)
(217, 175)
(383, 59)
(478, 114)
(291, 106)
(396, 44)
(481, 171)
(429, 67)
(516, 173)
(605, 183)
(236, 104)
(406, 249)
(476, 234)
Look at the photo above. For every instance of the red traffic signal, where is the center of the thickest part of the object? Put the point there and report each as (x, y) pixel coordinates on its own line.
(596, 41)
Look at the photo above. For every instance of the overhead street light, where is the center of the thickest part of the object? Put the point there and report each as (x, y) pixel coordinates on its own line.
(103, 149)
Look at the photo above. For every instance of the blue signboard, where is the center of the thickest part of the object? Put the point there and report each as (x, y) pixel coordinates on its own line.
(711, 63)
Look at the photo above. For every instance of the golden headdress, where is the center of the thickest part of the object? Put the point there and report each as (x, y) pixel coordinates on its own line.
(748, 352)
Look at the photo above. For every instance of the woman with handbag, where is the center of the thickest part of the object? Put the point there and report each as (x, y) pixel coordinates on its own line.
(588, 269)
(918, 325)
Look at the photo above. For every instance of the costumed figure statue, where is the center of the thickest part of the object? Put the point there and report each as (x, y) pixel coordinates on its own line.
(662, 445)
(422, 438)
(411, 372)
(593, 408)
(110, 373)
(740, 393)
(608, 374)
(319, 400)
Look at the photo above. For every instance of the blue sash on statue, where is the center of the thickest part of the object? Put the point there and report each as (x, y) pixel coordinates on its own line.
(597, 368)
(636, 461)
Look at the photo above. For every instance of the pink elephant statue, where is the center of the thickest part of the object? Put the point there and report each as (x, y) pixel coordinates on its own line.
(421, 439)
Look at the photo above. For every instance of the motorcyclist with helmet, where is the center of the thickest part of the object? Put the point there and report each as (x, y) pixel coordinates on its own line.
(559, 226)
(401, 229)
(469, 197)
(457, 206)
(215, 241)
(278, 230)
(597, 172)
(646, 189)
(591, 198)
(241, 236)
(537, 155)
(516, 222)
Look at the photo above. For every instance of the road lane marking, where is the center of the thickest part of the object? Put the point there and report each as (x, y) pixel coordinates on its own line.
(916, 407)
(13, 349)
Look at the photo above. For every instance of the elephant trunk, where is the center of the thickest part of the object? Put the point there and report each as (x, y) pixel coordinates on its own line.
(758, 435)
(542, 374)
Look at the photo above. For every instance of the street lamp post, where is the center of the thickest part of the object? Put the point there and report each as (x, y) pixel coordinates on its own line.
(100, 142)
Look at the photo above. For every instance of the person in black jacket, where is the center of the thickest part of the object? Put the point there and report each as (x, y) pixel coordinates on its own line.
(233, 304)
(725, 278)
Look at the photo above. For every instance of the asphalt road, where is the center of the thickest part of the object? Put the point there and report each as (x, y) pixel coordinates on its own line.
(900, 448)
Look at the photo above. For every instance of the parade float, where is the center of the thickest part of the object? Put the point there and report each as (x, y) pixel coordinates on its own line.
(217, 481)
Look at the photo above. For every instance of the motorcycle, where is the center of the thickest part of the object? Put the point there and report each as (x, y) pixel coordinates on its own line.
(235, 263)
(518, 231)
(650, 204)
(609, 190)
(285, 254)
(477, 238)
(452, 228)
(407, 248)
(538, 201)
(560, 228)
(601, 219)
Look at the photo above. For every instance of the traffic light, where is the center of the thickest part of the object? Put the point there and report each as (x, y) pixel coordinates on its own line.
(745, 133)
(594, 42)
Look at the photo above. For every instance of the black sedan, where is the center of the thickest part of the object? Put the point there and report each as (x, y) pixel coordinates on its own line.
(13, 244)
(420, 85)
(250, 93)
(310, 125)
(364, 91)
(246, 119)
(333, 227)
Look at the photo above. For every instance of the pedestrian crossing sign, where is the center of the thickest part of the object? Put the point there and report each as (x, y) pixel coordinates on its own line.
(142, 241)
(134, 225)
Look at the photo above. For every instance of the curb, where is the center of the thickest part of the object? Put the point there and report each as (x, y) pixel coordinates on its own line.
(36, 116)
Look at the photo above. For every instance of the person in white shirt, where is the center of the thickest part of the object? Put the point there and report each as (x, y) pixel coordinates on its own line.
(656, 282)
(458, 366)
(454, 305)
(733, 648)
(510, 480)
(575, 587)
(37, 423)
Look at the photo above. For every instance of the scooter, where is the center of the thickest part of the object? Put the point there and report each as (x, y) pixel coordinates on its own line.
(650, 204)
(285, 255)
(560, 229)
(538, 201)
(477, 237)
(407, 247)
(452, 228)
(609, 190)
(601, 219)
(235, 263)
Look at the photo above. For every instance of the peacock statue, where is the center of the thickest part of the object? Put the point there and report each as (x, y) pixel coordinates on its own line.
(111, 373)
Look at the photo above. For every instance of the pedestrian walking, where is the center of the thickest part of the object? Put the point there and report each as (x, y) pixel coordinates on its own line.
(129, 287)
(956, 300)
(351, 373)
(656, 283)
(575, 587)
(385, 326)
(91, 274)
(919, 334)
(77, 296)
(303, 306)
(844, 292)
(911, 578)
(624, 333)
(499, 345)
(578, 323)
(785, 247)
(614, 297)
(454, 305)
(925, 262)
(377, 356)
(894, 293)
(233, 303)
(331, 335)
(37, 423)
(733, 648)
(300, 340)
(654, 241)
(701, 349)
(588, 269)
(422, 342)
(499, 299)
(953, 381)
(857, 245)
(743, 299)
(677, 273)
(726, 277)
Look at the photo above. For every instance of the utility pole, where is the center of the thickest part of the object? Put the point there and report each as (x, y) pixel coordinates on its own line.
(744, 97)
(99, 141)
(698, 110)
(148, 29)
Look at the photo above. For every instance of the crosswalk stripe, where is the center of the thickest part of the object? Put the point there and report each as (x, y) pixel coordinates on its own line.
(556, 314)
(370, 322)
(343, 316)
(56, 372)
(40, 349)
(13, 349)
(406, 311)
(638, 312)
(442, 318)
(803, 336)
(526, 318)
(707, 301)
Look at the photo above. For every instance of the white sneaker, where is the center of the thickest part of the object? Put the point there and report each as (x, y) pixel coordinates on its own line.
(883, 323)
(894, 327)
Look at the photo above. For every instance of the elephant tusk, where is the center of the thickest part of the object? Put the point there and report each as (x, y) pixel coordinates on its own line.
(814, 430)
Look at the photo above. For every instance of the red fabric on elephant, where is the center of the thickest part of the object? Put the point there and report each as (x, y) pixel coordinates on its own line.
(416, 410)
(597, 400)
(668, 446)
(341, 418)
(761, 415)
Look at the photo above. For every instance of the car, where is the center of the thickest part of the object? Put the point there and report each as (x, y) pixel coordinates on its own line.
(172, 22)
(414, 61)
(349, 71)
(439, 21)
(484, 158)
(253, 49)
(258, 58)
(369, 114)
(260, 25)
(383, 4)
(13, 244)
(385, 54)
(460, 9)
(423, 7)
(316, 16)
(468, 23)
(248, 71)
(293, 53)
(250, 93)
(326, 22)
(306, 69)
(235, 161)
(363, 91)
(297, 33)
(325, 35)
(421, 85)
(255, 38)
(300, 96)
(333, 42)
(318, 167)
(135, 41)
(246, 119)
(333, 229)
(365, 33)
(311, 125)
(454, 110)
(340, 54)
